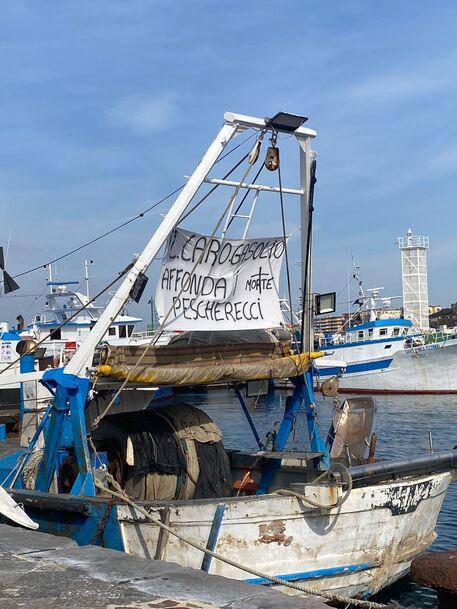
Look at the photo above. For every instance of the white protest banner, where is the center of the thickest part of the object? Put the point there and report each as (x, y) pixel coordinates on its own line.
(219, 284)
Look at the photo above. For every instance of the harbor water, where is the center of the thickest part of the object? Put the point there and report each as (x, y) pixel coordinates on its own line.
(403, 424)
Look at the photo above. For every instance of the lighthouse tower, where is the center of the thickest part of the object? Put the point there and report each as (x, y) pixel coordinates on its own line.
(414, 278)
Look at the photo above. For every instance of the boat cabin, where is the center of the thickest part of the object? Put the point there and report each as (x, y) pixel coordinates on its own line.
(370, 331)
(63, 303)
(379, 329)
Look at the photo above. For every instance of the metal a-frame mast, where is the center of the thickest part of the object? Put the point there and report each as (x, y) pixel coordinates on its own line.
(71, 384)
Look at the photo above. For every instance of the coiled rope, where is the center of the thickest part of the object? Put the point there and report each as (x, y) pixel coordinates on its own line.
(121, 494)
(323, 506)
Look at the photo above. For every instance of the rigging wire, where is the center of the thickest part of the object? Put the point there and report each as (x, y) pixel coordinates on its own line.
(46, 338)
(210, 192)
(105, 234)
(184, 286)
(122, 273)
(244, 197)
(286, 255)
(123, 224)
(305, 295)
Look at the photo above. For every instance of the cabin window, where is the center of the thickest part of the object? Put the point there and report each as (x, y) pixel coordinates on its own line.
(396, 332)
(360, 334)
(405, 331)
(387, 347)
(111, 331)
(383, 332)
(370, 332)
(122, 331)
(55, 334)
(130, 329)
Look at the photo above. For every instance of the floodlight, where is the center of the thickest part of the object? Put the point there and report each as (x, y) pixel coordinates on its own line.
(285, 122)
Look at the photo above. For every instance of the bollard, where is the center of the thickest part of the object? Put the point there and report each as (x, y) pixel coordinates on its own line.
(438, 570)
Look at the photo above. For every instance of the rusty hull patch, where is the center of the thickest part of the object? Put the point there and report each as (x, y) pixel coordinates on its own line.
(274, 532)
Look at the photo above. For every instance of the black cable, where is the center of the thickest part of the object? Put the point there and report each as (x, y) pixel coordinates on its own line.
(210, 192)
(307, 257)
(286, 255)
(46, 338)
(121, 273)
(116, 228)
(77, 249)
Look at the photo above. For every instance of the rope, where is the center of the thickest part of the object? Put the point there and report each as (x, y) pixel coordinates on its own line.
(160, 329)
(121, 494)
(317, 504)
(30, 471)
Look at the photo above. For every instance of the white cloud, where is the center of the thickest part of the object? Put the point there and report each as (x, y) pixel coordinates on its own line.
(144, 115)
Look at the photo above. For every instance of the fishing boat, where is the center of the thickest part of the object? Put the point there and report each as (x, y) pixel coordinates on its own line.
(68, 316)
(388, 355)
(159, 483)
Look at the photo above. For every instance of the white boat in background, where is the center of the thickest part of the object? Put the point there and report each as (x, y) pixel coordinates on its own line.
(66, 321)
(387, 356)
(68, 317)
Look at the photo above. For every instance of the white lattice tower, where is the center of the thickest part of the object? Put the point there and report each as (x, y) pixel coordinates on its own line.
(414, 278)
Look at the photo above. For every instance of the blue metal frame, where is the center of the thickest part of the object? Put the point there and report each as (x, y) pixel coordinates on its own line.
(249, 419)
(303, 393)
(213, 536)
(70, 399)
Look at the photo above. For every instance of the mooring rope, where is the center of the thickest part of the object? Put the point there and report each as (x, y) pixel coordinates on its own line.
(317, 504)
(121, 494)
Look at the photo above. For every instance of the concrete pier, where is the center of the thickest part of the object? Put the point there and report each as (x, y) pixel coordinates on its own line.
(41, 571)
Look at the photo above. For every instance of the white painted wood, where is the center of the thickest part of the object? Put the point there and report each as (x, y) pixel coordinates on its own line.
(281, 535)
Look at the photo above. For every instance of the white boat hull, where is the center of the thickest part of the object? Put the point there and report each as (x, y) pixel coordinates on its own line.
(355, 549)
(428, 369)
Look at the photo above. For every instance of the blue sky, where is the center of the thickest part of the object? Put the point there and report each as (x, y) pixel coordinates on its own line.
(106, 105)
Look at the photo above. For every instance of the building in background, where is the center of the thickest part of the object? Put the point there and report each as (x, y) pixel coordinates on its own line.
(331, 324)
(434, 309)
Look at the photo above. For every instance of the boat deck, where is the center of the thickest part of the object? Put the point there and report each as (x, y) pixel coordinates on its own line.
(41, 570)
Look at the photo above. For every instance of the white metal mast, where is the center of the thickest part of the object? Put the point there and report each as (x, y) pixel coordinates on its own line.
(233, 124)
(414, 278)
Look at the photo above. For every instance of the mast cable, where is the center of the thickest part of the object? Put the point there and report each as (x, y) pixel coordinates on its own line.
(161, 327)
(244, 197)
(289, 291)
(120, 274)
(305, 295)
(116, 228)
